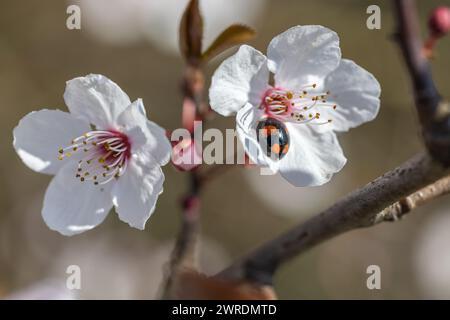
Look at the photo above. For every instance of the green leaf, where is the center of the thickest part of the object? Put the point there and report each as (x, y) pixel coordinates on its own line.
(231, 36)
(191, 32)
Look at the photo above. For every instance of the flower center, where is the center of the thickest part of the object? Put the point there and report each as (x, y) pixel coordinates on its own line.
(296, 106)
(104, 155)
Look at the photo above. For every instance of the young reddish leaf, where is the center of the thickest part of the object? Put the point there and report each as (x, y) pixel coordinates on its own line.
(191, 32)
(231, 36)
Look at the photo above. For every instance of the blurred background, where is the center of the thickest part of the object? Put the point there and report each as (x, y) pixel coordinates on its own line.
(134, 42)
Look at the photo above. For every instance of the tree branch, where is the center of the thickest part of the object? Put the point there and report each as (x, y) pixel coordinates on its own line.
(359, 209)
(434, 112)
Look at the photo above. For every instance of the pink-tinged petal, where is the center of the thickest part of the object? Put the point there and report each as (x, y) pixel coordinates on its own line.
(312, 158)
(240, 79)
(71, 206)
(303, 55)
(96, 99)
(136, 192)
(40, 134)
(155, 143)
(356, 94)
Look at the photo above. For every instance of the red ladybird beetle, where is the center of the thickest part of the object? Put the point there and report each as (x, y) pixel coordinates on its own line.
(273, 137)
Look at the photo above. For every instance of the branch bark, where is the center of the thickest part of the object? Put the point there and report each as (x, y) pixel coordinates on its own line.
(359, 209)
(403, 207)
(433, 111)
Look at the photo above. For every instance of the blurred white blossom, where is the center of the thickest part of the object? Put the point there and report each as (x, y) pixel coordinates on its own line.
(289, 201)
(342, 265)
(49, 289)
(432, 258)
(124, 267)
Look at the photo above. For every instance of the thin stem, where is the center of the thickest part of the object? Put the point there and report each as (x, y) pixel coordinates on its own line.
(433, 111)
(184, 252)
(419, 198)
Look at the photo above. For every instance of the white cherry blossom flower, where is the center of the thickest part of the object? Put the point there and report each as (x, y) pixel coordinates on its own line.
(104, 152)
(315, 94)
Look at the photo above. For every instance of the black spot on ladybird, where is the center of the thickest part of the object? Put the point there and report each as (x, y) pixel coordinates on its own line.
(273, 137)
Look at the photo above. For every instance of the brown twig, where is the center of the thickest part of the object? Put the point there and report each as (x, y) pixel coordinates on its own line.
(184, 252)
(433, 111)
(419, 198)
(386, 198)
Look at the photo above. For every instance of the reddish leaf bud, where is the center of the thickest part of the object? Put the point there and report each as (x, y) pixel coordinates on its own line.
(191, 202)
(439, 22)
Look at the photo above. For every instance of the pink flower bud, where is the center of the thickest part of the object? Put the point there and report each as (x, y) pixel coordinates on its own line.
(191, 202)
(186, 155)
(439, 22)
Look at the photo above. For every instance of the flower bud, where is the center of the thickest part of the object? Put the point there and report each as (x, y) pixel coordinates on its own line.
(186, 155)
(439, 22)
(191, 202)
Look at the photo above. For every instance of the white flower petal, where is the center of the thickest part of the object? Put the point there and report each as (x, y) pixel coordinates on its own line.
(241, 78)
(312, 158)
(40, 134)
(356, 94)
(156, 142)
(303, 55)
(96, 99)
(72, 206)
(136, 192)
(133, 115)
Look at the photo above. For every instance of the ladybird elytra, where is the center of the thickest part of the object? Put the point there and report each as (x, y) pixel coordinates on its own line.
(273, 137)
